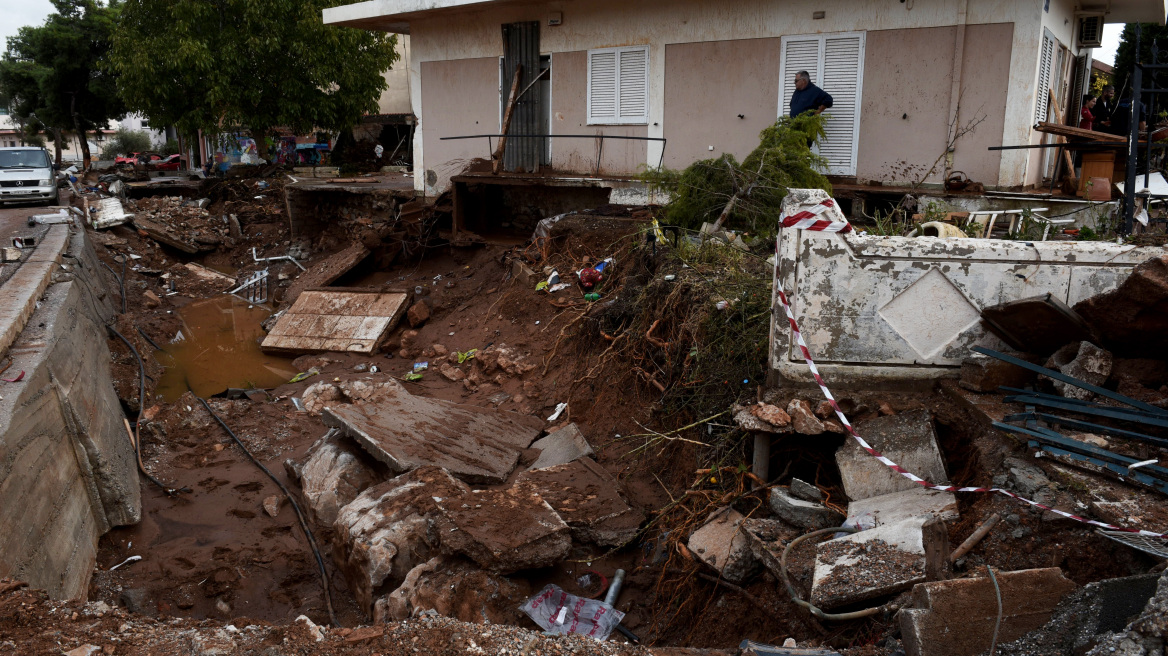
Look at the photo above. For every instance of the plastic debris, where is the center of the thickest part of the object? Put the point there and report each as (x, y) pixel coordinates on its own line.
(131, 559)
(559, 612)
(559, 410)
(421, 366)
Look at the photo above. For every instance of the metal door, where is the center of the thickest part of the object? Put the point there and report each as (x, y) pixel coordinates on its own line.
(521, 48)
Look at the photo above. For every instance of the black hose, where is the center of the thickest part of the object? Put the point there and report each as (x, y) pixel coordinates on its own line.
(121, 281)
(138, 423)
(147, 338)
(295, 506)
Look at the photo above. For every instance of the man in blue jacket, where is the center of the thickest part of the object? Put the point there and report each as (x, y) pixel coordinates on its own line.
(807, 96)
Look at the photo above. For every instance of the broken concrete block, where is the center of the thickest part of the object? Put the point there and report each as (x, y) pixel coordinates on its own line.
(805, 491)
(454, 587)
(1084, 361)
(561, 447)
(1131, 319)
(877, 562)
(771, 414)
(318, 396)
(326, 271)
(351, 321)
(588, 498)
(908, 439)
(477, 445)
(389, 529)
(803, 418)
(451, 372)
(981, 373)
(332, 475)
(768, 538)
(957, 617)
(418, 314)
(803, 514)
(900, 506)
(504, 530)
(721, 544)
(1026, 478)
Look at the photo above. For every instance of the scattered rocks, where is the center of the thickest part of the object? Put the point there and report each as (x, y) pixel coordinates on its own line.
(151, 299)
(588, 498)
(418, 314)
(809, 515)
(773, 415)
(805, 490)
(272, 505)
(721, 544)
(451, 372)
(332, 475)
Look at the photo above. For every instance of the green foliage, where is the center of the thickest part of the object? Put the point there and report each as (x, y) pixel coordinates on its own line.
(255, 64)
(169, 147)
(1125, 54)
(759, 183)
(51, 74)
(124, 142)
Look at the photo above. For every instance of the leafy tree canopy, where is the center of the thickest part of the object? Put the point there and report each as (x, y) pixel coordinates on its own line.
(258, 64)
(52, 74)
(1152, 36)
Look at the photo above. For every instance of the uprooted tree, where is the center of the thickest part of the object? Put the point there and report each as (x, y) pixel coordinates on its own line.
(222, 65)
(52, 74)
(747, 194)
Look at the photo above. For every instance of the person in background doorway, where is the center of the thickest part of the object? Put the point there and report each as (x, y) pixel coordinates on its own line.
(1104, 109)
(808, 97)
(1086, 115)
(1121, 120)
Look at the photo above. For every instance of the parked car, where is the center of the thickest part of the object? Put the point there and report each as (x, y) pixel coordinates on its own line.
(169, 163)
(26, 174)
(136, 158)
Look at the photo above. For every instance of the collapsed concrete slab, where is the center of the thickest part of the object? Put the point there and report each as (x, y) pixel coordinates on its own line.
(958, 617)
(389, 529)
(1130, 319)
(768, 538)
(897, 507)
(505, 530)
(454, 587)
(332, 476)
(561, 447)
(352, 321)
(877, 562)
(326, 271)
(477, 445)
(1081, 360)
(588, 498)
(723, 545)
(908, 439)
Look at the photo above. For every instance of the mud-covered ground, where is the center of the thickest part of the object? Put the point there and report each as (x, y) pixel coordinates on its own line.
(212, 556)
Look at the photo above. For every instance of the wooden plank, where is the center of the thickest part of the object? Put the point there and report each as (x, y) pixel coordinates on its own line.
(498, 156)
(1077, 133)
(1058, 115)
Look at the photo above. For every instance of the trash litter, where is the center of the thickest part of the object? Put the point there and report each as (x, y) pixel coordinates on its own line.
(131, 559)
(19, 377)
(298, 404)
(557, 287)
(592, 297)
(670, 278)
(421, 366)
(413, 377)
(590, 277)
(469, 355)
(304, 375)
(559, 612)
(559, 410)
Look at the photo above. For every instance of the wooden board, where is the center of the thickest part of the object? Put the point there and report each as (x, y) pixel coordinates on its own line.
(1078, 133)
(347, 321)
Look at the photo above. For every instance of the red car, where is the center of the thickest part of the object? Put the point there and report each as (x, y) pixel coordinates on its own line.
(136, 158)
(169, 163)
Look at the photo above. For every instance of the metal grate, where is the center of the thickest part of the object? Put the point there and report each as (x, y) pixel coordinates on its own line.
(255, 289)
(1155, 546)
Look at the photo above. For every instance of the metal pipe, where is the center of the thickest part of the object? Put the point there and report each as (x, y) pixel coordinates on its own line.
(1133, 136)
(976, 537)
(614, 589)
(761, 466)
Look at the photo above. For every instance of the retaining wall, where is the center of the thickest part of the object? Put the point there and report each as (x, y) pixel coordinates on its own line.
(67, 469)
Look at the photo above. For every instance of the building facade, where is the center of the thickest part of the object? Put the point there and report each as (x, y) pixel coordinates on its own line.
(690, 79)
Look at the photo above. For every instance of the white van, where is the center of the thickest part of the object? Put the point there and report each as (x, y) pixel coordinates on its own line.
(27, 175)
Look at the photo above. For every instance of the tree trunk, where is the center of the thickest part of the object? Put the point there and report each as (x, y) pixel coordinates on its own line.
(57, 143)
(261, 140)
(84, 144)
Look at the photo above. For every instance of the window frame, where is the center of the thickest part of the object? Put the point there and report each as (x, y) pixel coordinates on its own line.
(617, 119)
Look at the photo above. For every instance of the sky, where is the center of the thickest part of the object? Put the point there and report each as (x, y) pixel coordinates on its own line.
(18, 13)
(1111, 33)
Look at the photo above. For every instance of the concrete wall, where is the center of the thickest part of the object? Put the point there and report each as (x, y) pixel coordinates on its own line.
(895, 308)
(707, 85)
(396, 98)
(462, 98)
(67, 470)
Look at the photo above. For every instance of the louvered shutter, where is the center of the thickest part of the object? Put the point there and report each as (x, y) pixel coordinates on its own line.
(799, 54)
(634, 85)
(835, 63)
(1045, 61)
(602, 86)
(618, 85)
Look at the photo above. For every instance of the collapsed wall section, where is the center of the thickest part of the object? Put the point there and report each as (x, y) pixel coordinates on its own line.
(67, 467)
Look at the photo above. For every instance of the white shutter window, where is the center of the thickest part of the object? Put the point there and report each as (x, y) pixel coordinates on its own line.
(835, 63)
(618, 86)
(1045, 62)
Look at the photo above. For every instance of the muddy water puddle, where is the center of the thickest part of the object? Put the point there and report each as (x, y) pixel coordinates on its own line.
(219, 348)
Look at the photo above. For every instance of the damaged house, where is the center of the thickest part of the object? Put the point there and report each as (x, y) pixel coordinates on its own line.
(610, 88)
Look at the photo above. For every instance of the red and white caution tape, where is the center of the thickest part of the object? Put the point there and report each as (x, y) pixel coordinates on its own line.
(904, 472)
(811, 218)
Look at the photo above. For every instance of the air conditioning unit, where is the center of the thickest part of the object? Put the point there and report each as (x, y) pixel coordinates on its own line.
(1090, 30)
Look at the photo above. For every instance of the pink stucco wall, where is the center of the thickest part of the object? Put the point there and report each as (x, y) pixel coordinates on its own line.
(707, 85)
(570, 116)
(459, 97)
